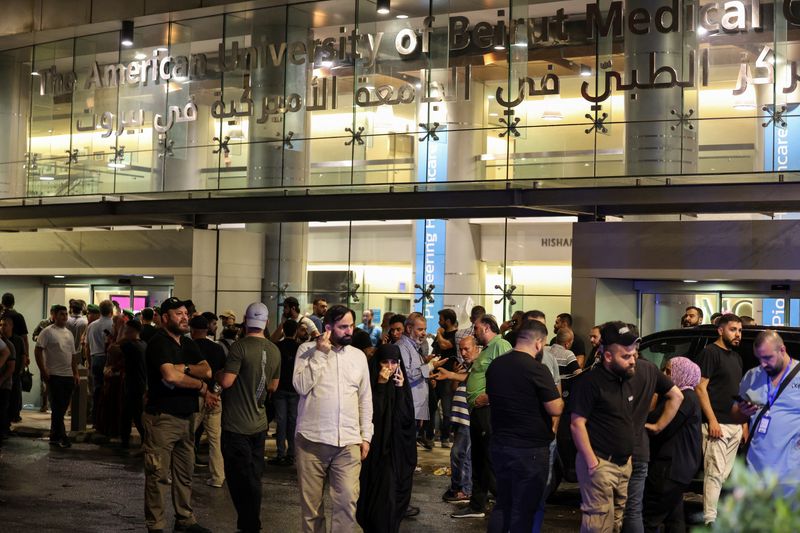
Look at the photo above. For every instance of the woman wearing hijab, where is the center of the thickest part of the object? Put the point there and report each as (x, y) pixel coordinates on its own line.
(675, 453)
(388, 471)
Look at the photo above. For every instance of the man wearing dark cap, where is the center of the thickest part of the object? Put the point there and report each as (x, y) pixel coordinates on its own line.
(210, 416)
(291, 311)
(175, 374)
(606, 424)
(251, 372)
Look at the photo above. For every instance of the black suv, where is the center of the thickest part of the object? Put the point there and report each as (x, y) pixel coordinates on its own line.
(657, 348)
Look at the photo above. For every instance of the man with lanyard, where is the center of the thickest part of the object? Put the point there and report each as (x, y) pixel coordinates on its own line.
(770, 400)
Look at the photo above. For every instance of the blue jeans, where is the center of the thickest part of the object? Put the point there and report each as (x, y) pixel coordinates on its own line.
(461, 461)
(633, 522)
(285, 404)
(521, 477)
(548, 489)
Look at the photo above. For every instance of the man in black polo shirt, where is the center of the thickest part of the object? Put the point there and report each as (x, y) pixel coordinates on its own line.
(175, 374)
(721, 372)
(522, 401)
(605, 426)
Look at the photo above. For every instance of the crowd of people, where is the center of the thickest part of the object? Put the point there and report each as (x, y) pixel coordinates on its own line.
(355, 403)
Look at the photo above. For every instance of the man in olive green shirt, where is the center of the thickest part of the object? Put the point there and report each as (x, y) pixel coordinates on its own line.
(251, 371)
(488, 334)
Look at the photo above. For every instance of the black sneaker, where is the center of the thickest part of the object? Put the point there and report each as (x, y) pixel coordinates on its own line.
(193, 528)
(277, 461)
(448, 494)
(64, 443)
(468, 512)
(411, 511)
(425, 443)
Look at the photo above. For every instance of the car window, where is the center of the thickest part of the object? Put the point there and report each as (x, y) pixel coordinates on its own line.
(660, 350)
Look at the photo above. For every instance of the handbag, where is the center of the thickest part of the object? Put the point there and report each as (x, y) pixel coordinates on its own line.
(26, 380)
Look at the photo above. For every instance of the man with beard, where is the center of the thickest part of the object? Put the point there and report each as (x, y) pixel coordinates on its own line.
(720, 371)
(773, 387)
(692, 317)
(605, 425)
(334, 422)
(176, 375)
(594, 340)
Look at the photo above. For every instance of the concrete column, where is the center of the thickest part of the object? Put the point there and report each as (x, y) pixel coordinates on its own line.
(652, 147)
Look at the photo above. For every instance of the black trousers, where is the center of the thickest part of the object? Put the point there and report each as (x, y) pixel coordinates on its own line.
(5, 421)
(442, 392)
(131, 412)
(663, 500)
(483, 480)
(59, 389)
(15, 402)
(244, 464)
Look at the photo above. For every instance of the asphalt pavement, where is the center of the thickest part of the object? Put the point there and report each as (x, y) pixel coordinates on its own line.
(96, 486)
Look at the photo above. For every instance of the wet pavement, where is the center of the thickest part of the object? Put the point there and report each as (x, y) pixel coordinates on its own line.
(96, 486)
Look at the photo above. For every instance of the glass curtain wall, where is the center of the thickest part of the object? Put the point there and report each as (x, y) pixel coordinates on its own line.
(332, 93)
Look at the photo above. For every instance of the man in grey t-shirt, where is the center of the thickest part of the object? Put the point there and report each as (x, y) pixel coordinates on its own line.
(251, 371)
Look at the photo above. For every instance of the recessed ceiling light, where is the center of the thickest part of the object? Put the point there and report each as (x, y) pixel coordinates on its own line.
(148, 277)
(139, 56)
(46, 178)
(402, 16)
(690, 281)
(59, 277)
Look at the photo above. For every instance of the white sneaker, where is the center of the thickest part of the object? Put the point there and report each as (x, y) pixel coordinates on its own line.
(210, 482)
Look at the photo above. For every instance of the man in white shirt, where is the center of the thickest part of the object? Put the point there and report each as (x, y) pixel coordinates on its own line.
(334, 422)
(96, 339)
(55, 347)
(77, 322)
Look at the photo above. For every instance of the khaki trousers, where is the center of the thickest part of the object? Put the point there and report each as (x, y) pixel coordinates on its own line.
(211, 419)
(603, 495)
(340, 467)
(718, 457)
(168, 447)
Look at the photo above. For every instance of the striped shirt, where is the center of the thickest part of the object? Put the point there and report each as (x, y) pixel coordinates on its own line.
(459, 412)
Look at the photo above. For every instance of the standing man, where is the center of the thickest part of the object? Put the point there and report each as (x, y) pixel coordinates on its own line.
(213, 320)
(594, 339)
(487, 332)
(373, 330)
(228, 319)
(251, 372)
(444, 346)
(319, 307)
(522, 400)
(720, 374)
(474, 314)
(692, 317)
(21, 329)
(285, 398)
(176, 375)
(210, 415)
(15, 399)
(77, 322)
(148, 327)
(44, 323)
(774, 443)
(55, 346)
(604, 425)
(135, 384)
(291, 311)
(564, 320)
(96, 338)
(334, 422)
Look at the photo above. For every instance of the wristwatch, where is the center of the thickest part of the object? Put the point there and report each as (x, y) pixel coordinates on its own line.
(216, 389)
(186, 370)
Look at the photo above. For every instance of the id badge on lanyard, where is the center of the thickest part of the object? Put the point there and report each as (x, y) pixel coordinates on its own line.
(763, 425)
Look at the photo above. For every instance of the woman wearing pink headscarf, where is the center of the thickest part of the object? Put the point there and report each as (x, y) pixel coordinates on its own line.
(675, 452)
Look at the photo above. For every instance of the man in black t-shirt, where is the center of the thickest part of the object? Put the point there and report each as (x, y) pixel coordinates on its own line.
(721, 372)
(135, 384)
(210, 416)
(445, 347)
(175, 376)
(148, 327)
(607, 406)
(522, 401)
(285, 399)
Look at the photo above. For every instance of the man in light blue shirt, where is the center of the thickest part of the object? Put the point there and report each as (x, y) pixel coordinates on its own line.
(367, 325)
(775, 444)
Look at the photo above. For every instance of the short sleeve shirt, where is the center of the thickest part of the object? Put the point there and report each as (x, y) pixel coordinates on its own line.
(647, 381)
(58, 345)
(777, 450)
(161, 396)
(20, 327)
(213, 353)
(256, 361)
(723, 368)
(518, 387)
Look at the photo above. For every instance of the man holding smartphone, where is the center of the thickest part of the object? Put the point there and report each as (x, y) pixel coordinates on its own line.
(774, 388)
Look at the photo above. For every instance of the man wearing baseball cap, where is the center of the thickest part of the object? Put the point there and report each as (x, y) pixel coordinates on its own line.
(228, 318)
(175, 375)
(252, 370)
(291, 311)
(606, 423)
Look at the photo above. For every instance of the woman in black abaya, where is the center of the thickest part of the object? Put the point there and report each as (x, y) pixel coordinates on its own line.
(388, 471)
